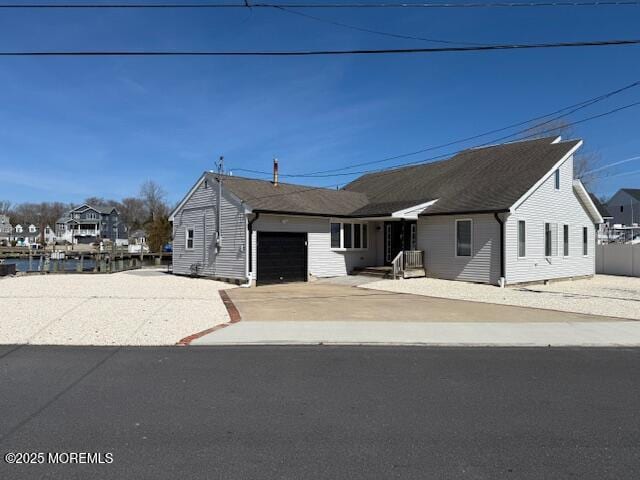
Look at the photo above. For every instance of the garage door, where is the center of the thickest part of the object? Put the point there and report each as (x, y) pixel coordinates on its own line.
(282, 257)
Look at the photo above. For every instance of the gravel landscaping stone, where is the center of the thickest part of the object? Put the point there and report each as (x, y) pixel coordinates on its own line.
(140, 307)
(604, 295)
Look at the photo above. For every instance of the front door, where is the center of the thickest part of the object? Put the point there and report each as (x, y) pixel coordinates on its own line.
(398, 236)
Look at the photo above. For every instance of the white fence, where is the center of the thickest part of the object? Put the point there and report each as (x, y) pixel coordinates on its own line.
(618, 259)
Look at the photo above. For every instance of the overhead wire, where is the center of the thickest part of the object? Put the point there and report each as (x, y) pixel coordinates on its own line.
(557, 114)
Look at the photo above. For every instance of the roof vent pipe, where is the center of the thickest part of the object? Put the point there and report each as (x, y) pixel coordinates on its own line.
(275, 172)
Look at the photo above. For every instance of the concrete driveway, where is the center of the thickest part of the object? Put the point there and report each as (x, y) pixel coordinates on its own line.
(326, 301)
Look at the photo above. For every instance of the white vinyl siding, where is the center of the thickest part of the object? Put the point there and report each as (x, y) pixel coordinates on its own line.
(548, 205)
(323, 260)
(437, 236)
(199, 214)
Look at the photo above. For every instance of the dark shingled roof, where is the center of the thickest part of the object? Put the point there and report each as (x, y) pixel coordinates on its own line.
(634, 192)
(485, 179)
(262, 195)
(489, 179)
(602, 209)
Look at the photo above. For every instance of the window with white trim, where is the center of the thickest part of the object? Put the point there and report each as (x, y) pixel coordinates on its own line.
(464, 238)
(565, 238)
(550, 239)
(365, 236)
(357, 236)
(189, 234)
(349, 236)
(522, 239)
(585, 241)
(557, 179)
(335, 235)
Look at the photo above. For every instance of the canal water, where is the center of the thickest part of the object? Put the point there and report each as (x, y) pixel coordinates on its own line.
(66, 265)
(37, 264)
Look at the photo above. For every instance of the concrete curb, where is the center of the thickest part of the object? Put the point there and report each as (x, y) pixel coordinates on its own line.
(234, 315)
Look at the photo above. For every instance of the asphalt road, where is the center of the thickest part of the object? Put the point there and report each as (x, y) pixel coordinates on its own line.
(323, 412)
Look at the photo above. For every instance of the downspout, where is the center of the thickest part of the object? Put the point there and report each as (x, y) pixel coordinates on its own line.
(502, 274)
(250, 227)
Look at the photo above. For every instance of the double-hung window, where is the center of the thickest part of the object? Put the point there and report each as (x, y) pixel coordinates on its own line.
(550, 239)
(464, 238)
(522, 239)
(189, 235)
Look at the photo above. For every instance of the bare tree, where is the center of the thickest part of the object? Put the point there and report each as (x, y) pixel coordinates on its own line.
(100, 202)
(5, 207)
(132, 212)
(584, 161)
(153, 196)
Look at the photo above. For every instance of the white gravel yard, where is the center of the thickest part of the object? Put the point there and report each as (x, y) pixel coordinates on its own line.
(139, 307)
(603, 295)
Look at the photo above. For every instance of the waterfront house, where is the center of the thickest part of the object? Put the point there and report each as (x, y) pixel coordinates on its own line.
(86, 224)
(138, 241)
(502, 214)
(5, 230)
(25, 235)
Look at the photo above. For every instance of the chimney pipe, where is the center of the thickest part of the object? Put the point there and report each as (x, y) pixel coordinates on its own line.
(275, 172)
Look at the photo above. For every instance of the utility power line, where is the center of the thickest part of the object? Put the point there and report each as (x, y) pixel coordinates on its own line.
(391, 169)
(395, 5)
(303, 53)
(556, 116)
(374, 32)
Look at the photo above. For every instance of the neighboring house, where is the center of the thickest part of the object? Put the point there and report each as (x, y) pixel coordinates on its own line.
(86, 224)
(624, 206)
(604, 229)
(138, 241)
(25, 235)
(5, 229)
(502, 214)
(49, 235)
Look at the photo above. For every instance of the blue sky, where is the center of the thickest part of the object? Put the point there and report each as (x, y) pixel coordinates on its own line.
(75, 127)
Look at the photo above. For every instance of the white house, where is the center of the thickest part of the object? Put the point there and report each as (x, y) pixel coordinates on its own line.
(502, 214)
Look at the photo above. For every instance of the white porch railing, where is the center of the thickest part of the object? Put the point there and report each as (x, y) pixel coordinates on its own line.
(407, 260)
(413, 259)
